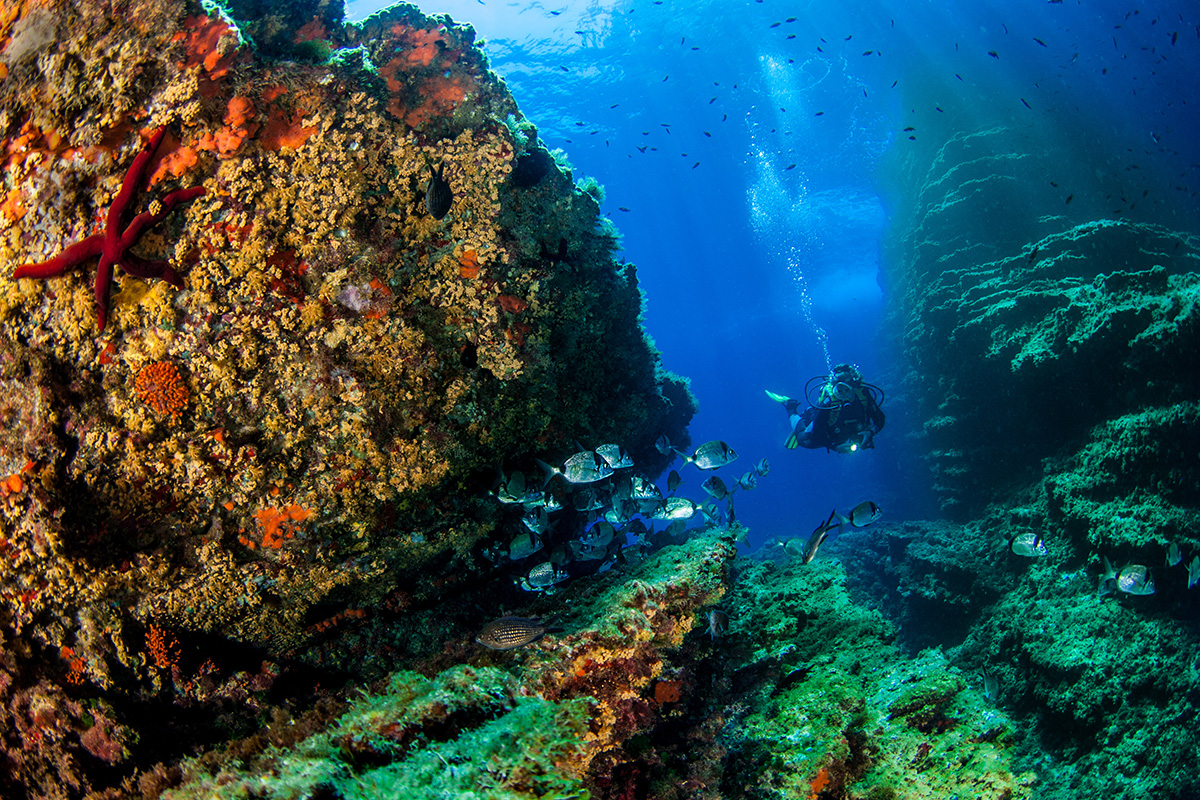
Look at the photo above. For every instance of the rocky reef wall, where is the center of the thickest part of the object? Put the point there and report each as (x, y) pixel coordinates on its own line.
(1050, 345)
(283, 418)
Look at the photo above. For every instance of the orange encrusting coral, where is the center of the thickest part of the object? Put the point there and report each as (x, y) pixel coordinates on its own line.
(12, 208)
(174, 160)
(204, 44)
(159, 386)
(819, 782)
(468, 265)
(511, 304)
(162, 647)
(285, 130)
(278, 524)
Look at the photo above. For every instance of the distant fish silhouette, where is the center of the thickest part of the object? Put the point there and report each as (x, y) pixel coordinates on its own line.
(438, 197)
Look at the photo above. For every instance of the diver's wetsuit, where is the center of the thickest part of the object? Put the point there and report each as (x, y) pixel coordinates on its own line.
(838, 425)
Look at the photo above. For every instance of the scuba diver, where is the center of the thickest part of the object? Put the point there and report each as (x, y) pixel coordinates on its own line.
(845, 416)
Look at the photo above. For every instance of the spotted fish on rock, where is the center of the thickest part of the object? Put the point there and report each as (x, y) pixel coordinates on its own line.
(438, 196)
(508, 633)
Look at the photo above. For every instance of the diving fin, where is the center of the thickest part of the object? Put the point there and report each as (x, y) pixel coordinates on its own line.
(792, 441)
(778, 398)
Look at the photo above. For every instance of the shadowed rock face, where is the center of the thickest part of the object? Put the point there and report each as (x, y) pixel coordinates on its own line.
(1025, 328)
(1052, 350)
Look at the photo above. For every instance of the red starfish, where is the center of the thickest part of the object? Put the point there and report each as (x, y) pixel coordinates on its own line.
(113, 245)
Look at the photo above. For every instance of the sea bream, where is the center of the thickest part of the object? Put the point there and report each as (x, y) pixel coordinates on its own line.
(862, 514)
(710, 455)
(832, 523)
(585, 466)
(1029, 545)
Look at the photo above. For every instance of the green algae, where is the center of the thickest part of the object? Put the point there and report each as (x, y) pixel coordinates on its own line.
(466, 732)
(834, 703)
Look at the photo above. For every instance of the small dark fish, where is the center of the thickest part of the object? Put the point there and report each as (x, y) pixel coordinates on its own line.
(673, 481)
(820, 534)
(868, 52)
(663, 445)
(1026, 102)
(1033, 255)
(508, 633)
(960, 77)
(789, 166)
(695, 165)
(993, 54)
(438, 197)
(623, 208)
(775, 24)
(718, 623)
(1174, 38)
(1070, 197)
(819, 113)
(909, 128)
(1039, 41)
(564, 69)
(991, 686)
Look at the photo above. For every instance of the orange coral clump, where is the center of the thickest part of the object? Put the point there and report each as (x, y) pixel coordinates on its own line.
(75, 666)
(173, 160)
(239, 111)
(203, 34)
(280, 523)
(12, 208)
(819, 782)
(424, 45)
(468, 265)
(313, 29)
(511, 304)
(668, 692)
(162, 647)
(284, 130)
(159, 386)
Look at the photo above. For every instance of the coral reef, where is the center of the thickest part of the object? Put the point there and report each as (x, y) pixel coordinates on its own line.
(264, 465)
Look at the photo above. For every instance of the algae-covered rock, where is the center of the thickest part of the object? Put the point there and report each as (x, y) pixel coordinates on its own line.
(289, 438)
(832, 705)
(1051, 357)
(558, 718)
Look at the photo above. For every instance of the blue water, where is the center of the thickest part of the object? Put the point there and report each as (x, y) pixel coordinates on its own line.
(758, 276)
